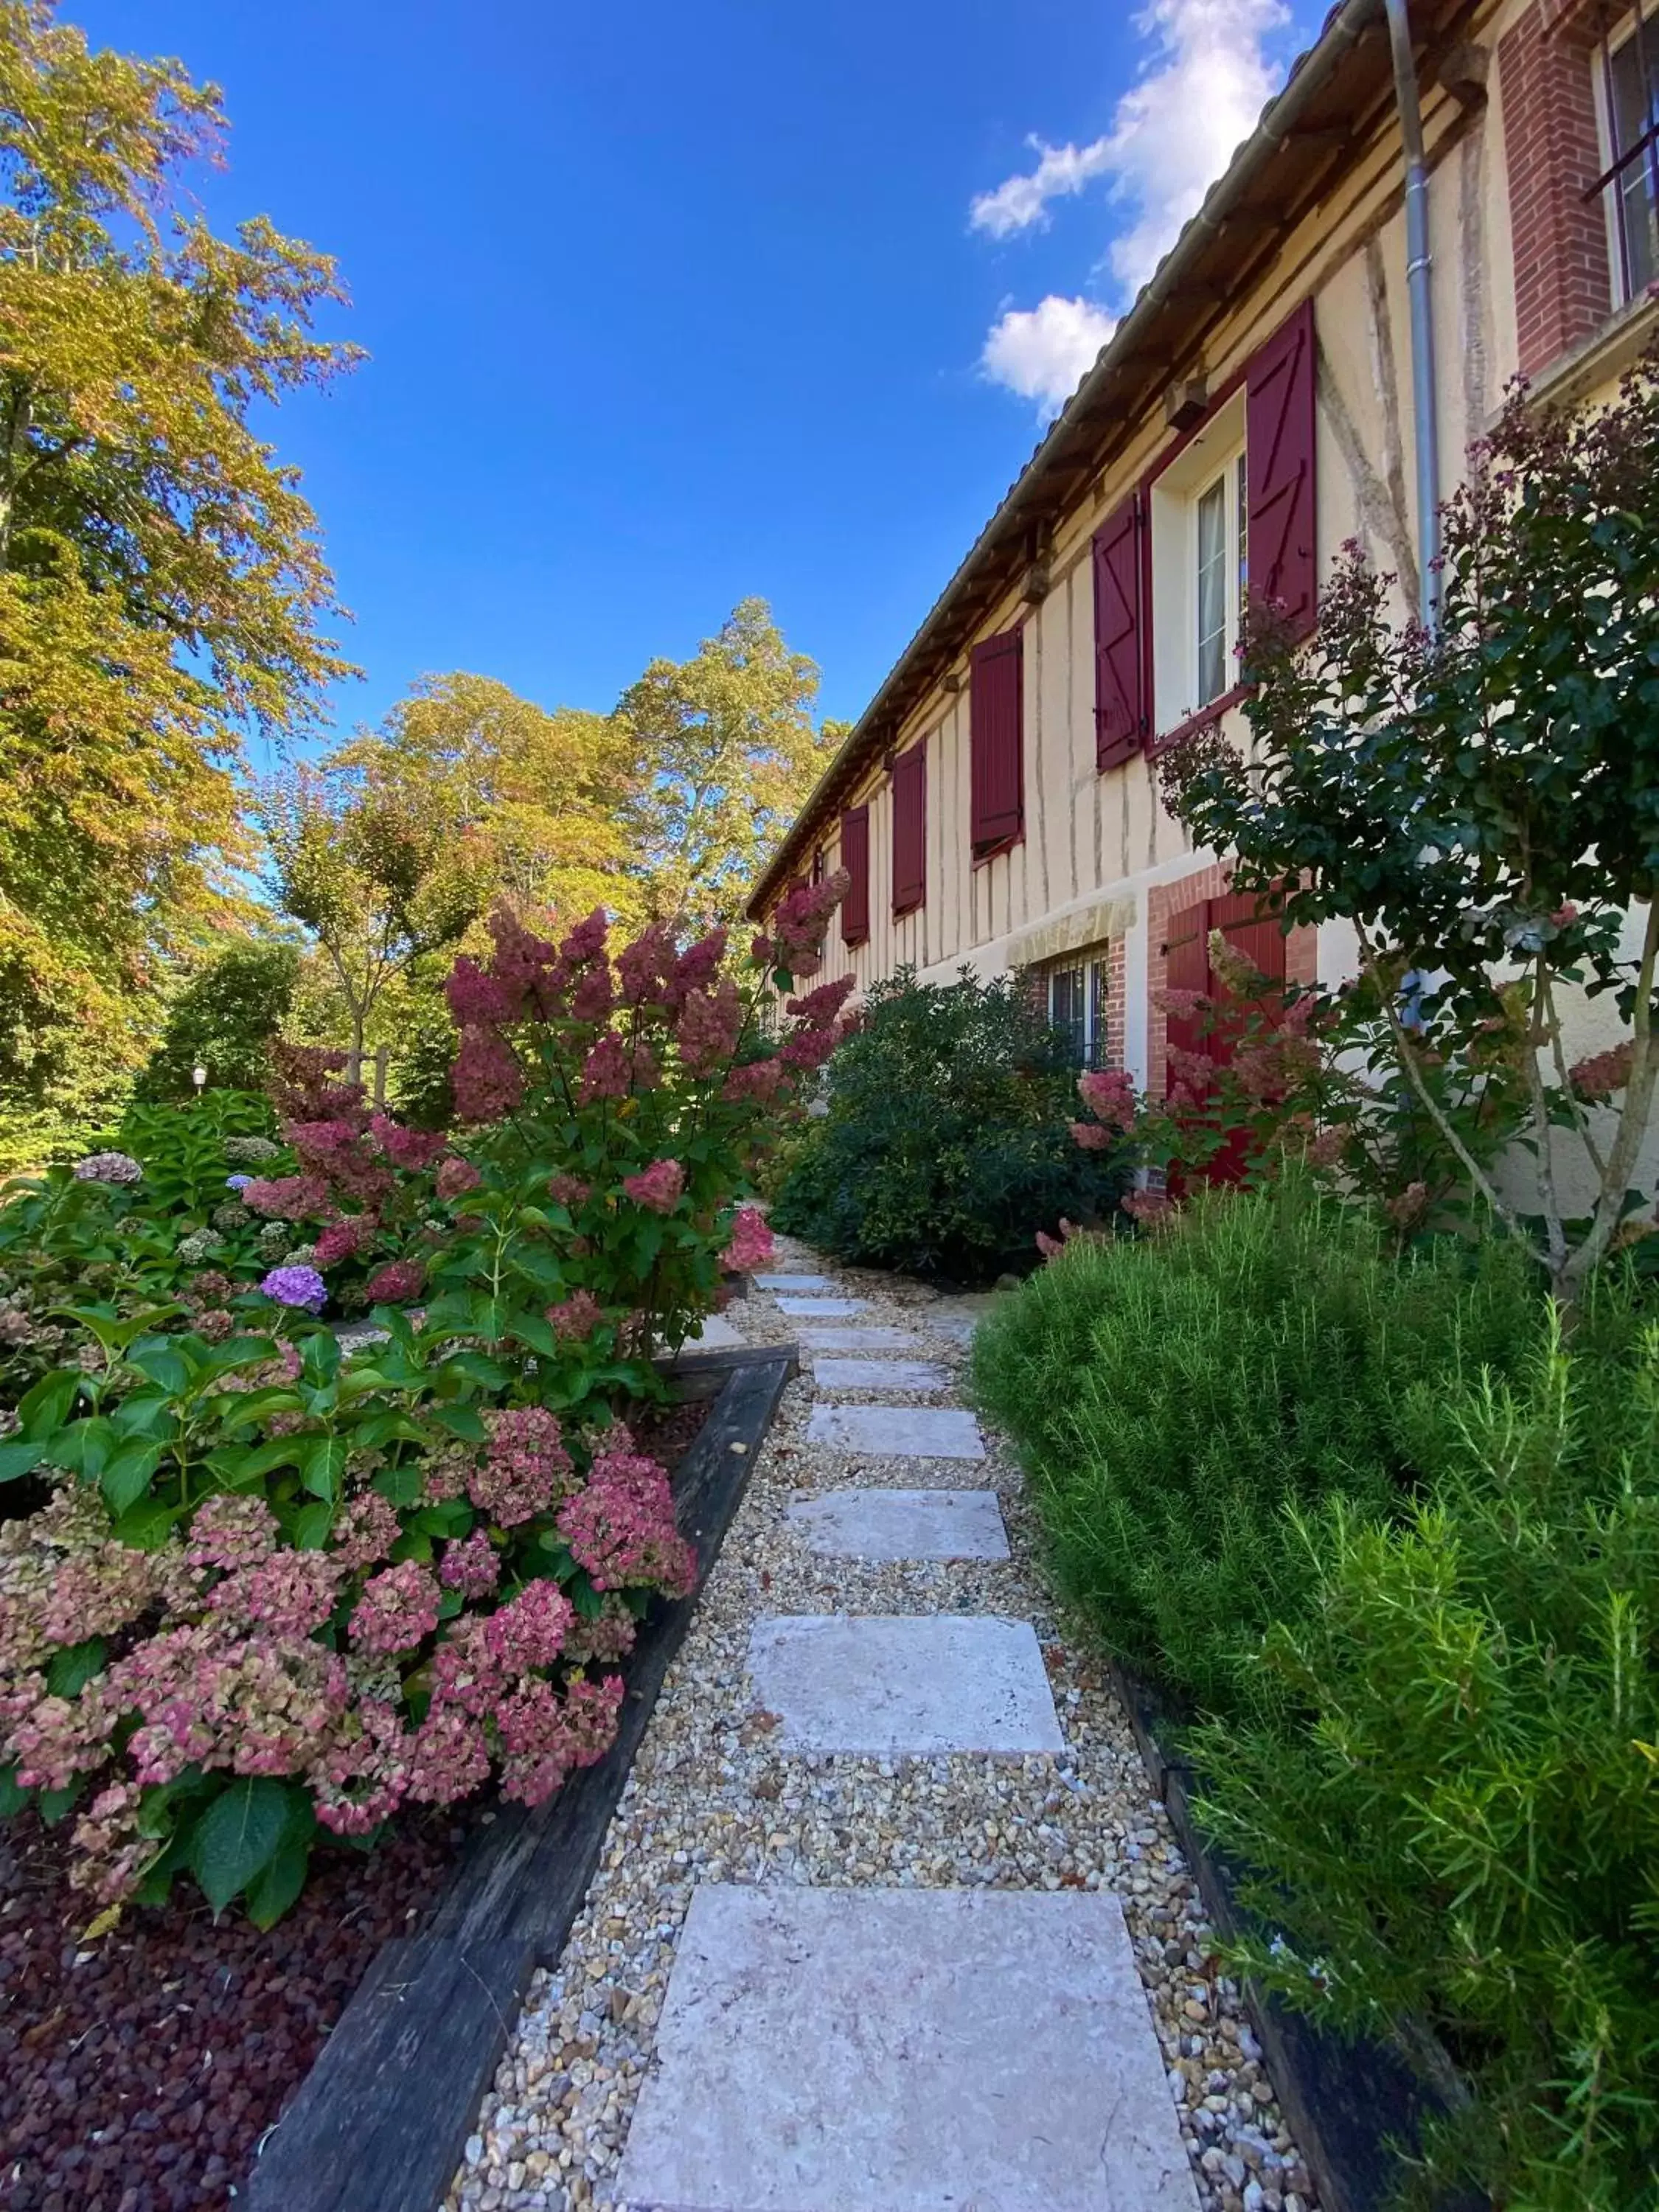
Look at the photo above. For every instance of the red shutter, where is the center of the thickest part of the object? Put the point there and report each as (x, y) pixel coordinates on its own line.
(1119, 660)
(995, 719)
(855, 858)
(910, 829)
(1187, 968)
(1280, 440)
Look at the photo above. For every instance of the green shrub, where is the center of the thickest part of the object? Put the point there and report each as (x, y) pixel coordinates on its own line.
(1452, 1816)
(1170, 1397)
(223, 1020)
(946, 1146)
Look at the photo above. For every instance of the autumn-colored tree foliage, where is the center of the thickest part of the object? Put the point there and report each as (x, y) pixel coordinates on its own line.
(162, 591)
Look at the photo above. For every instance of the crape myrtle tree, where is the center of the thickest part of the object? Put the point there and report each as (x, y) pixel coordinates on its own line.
(1483, 803)
(162, 591)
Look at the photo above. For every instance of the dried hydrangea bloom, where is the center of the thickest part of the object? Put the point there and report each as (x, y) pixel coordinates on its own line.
(109, 1167)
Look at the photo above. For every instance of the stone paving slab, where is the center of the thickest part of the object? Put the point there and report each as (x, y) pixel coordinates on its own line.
(817, 1337)
(802, 1308)
(903, 1524)
(903, 1685)
(793, 1283)
(906, 1375)
(897, 1432)
(904, 2050)
(715, 1334)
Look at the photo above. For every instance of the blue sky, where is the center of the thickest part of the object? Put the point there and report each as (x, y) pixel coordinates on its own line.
(668, 304)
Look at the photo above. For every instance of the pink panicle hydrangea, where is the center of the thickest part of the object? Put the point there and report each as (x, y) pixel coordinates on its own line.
(367, 1528)
(605, 1071)
(413, 1149)
(344, 1240)
(526, 1466)
(289, 1198)
(645, 968)
(288, 1595)
(819, 1009)
(760, 1080)
(471, 1566)
(232, 1533)
(585, 942)
(395, 1283)
(1090, 1136)
(1152, 1209)
(1172, 1000)
(657, 1188)
(529, 970)
(576, 1316)
(476, 1000)
(1602, 1074)
(447, 1759)
(621, 1527)
(398, 1609)
(593, 997)
(698, 965)
(796, 942)
(710, 1023)
(568, 1190)
(806, 1048)
(1109, 1094)
(486, 1082)
(457, 1176)
(751, 1242)
(530, 1630)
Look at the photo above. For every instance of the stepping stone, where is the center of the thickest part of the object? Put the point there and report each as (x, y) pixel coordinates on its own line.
(817, 1338)
(897, 1432)
(879, 1375)
(793, 1283)
(903, 1524)
(903, 1684)
(904, 2050)
(959, 1327)
(826, 1307)
(714, 1333)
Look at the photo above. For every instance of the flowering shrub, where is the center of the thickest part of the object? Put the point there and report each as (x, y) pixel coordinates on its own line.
(288, 1589)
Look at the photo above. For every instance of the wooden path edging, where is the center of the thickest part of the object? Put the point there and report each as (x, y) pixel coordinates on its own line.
(380, 2123)
(1347, 2104)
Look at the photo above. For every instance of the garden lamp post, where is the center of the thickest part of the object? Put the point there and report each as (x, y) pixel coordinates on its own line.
(198, 1077)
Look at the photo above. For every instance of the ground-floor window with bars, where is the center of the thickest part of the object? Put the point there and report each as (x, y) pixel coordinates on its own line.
(1076, 998)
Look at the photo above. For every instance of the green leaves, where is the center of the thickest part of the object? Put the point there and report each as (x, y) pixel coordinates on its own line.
(73, 1666)
(256, 1827)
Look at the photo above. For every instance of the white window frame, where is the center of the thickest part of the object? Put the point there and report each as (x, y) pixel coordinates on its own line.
(1613, 44)
(1214, 459)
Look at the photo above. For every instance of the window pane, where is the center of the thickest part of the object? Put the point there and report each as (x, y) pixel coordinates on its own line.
(1242, 531)
(1098, 1040)
(1212, 593)
(1066, 1006)
(1634, 96)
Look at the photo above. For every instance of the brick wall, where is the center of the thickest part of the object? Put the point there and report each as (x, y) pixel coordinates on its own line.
(1115, 1004)
(1563, 285)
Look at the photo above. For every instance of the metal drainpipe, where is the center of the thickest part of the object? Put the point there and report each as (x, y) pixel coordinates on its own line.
(1419, 266)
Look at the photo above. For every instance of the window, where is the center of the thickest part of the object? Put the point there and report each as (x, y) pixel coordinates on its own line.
(1199, 504)
(996, 745)
(1630, 120)
(1075, 998)
(855, 858)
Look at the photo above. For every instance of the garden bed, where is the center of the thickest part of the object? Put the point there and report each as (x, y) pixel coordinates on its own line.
(142, 2069)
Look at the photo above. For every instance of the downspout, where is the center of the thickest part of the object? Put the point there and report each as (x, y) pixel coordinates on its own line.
(1425, 429)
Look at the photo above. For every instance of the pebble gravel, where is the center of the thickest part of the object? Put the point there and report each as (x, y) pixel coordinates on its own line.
(710, 1800)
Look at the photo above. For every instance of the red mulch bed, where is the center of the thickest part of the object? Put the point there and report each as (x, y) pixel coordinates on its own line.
(138, 2073)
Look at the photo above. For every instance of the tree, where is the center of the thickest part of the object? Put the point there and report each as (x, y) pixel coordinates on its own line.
(727, 753)
(223, 1021)
(1482, 804)
(377, 879)
(162, 586)
(546, 792)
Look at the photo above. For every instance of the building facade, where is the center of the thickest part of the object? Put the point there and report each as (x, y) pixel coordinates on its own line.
(997, 804)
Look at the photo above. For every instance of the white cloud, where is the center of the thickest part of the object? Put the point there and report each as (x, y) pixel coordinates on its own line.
(1198, 97)
(1043, 352)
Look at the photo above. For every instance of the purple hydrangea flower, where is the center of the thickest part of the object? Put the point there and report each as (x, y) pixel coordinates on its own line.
(296, 1286)
(238, 1182)
(109, 1167)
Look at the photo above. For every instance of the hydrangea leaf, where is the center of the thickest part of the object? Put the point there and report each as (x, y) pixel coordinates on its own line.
(238, 1837)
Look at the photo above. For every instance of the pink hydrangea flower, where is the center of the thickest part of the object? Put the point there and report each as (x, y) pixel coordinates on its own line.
(621, 1526)
(750, 1245)
(1109, 1093)
(1092, 1136)
(699, 965)
(288, 1595)
(605, 1071)
(568, 1190)
(576, 1316)
(818, 1009)
(413, 1149)
(526, 1466)
(593, 997)
(709, 1025)
(344, 1240)
(398, 1609)
(290, 1198)
(657, 1188)
(530, 1630)
(476, 999)
(395, 1283)
(363, 1777)
(760, 1080)
(457, 1176)
(486, 1082)
(231, 1533)
(365, 1530)
(471, 1566)
(447, 1759)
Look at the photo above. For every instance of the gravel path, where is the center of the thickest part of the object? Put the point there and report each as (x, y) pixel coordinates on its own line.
(713, 1799)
